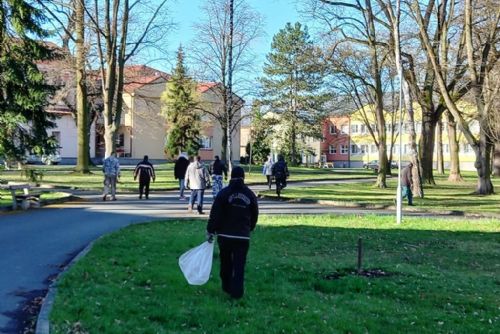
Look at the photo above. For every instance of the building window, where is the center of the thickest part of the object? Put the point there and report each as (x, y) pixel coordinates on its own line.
(333, 129)
(332, 149)
(363, 128)
(206, 142)
(374, 149)
(354, 128)
(57, 137)
(467, 148)
(345, 129)
(120, 141)
(344, 149)
(354, 149)
(364, 149)
(446, 148)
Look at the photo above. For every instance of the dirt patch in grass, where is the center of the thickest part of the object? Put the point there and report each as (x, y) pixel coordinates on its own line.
(369, 273)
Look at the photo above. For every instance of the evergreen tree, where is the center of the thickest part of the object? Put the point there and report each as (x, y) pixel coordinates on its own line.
(180, 109)
(261, 131)
(292, 86)
(23, 91)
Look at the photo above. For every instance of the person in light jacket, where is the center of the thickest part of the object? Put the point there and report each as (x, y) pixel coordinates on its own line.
(233, 216)
(197, 178)
(111, 170)
(268, 171)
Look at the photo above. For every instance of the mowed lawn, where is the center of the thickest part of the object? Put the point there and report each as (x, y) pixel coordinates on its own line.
(444, 279)
(63, 176)
(443, 196)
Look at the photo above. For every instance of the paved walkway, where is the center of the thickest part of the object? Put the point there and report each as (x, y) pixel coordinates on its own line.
(36, 244)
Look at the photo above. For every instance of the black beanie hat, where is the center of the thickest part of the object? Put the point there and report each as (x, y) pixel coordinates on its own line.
(237, 172)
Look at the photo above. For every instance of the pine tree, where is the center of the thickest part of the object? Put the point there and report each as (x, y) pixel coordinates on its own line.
(292, 86)
(23, 91)
(180, 109)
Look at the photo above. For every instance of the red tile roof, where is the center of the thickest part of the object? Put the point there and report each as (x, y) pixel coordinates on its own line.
(138, 76)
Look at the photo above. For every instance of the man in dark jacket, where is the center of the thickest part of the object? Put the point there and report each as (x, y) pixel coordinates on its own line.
(217, 169)
(146, 172)
(280, 173)
(181, 165)
(406, 183)
(233, 216)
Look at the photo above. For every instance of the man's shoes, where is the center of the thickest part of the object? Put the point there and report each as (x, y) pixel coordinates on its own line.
(104, 198)
(113, 199)
(411, 204)
(140, 197)
(182, 198)
(147, 197)
(201, 212)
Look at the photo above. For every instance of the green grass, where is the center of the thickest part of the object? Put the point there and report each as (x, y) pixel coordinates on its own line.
(444, 195)
(445, 280)
(65, 177)
(6, 197)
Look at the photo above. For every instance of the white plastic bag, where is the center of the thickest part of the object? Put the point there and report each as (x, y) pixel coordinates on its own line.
(196, 263)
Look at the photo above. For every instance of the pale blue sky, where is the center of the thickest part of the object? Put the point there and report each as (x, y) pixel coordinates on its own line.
(185, 13)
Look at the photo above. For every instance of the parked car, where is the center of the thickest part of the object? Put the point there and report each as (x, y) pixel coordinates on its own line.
(374, 165)
(47, 159)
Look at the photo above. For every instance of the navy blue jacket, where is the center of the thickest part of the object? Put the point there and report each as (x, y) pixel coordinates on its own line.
(235, 211)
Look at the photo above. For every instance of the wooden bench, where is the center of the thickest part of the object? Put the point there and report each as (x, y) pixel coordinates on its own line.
(26, 199)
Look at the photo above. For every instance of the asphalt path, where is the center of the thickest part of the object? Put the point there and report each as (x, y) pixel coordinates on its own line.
(36, 244)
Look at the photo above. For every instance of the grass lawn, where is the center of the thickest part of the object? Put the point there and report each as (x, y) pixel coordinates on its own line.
(6, 197)
(64, 176)
(444, 195)
(445, 280)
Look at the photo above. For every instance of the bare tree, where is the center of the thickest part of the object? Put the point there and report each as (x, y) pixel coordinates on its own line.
(222, 50)
(122, 29)
(481, 58)
(358, 23)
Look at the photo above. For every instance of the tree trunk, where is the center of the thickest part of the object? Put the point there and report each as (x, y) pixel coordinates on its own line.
(82, 163)
(496, 160)
(426, 144)
(439, 147)
(483, 167)
(455, 175)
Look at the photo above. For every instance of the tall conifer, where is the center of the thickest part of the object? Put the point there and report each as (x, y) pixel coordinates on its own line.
(180, 109)
(23, 91)
(292, 87)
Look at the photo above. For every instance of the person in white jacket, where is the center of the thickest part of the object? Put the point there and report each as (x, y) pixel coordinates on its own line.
(268, 171)
(197, 179)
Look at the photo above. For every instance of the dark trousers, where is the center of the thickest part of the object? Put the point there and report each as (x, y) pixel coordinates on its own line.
(144, 187)
(233, 256)
(280, 184)
(269, 180)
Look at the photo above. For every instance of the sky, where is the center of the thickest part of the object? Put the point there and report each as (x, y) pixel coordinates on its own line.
(185, 13)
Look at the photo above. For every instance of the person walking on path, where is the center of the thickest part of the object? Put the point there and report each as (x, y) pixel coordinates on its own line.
(181, 165)
(233, 216)
(197, 178)
(406, 183)
(217, 168)
(268, 171)
(280, 173)
(111, 170)
(146, 172)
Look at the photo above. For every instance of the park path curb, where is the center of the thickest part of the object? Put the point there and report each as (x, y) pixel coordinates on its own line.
(42, 322)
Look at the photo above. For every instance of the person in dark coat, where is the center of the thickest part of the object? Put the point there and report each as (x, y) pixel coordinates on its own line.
(146, 172)
(406, 183)
(217, 169)
(233, 216)
(280, 173)
(181, 165)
